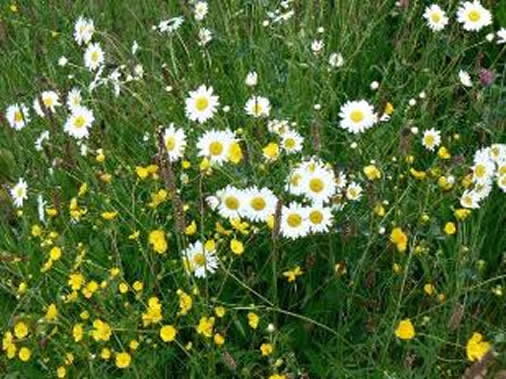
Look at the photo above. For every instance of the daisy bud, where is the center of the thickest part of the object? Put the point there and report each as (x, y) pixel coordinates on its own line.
(251, 79)
(374, 85)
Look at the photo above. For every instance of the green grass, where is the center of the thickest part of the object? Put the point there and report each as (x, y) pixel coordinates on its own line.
(327, 325)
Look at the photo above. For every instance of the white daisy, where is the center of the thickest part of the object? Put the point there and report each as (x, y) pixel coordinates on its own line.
(498, 152)
(51, 100)
(319, 185)
(465, 78)
(473, 16)
(83, 30)
(279, 127)
(199, 261)
(74, 99)
(251, 79)
(317, 46)
(319, 218)
(357, 116)
(294, 182)
(79, 122)
(93, 56)
(353, 191)
(291, 141)
(431, 139)
(215, 144)
(436, 17)
(501, 36)
(231, 202)
(201, 105)
(483, 171)
(258, 106)
(336, 60)
(200, 10)
(294, 221)
(17, 116)
(170, 25)
(205, 36)
(470, 199)
(259, 204)
(501, 182)
(19, 193)
(175, 142)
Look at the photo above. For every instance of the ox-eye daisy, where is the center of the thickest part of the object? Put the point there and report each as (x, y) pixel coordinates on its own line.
(353, 191)
(319, 185)
(201, 105)
(259, 204)
(483, 171)
(93, 57)
(473, 16)
(294, 223)
(431, 139)
(436, 17)
(319, 218)
(357, 116)
(79, 122)
(83, 30)
(292, 141)
(175, 142)
(50, 100)
(231, 202)
(74, 98)
(215, 144)
(200, 261)
(17, 116)
(19, 192)
(470, 199)
(258, 106)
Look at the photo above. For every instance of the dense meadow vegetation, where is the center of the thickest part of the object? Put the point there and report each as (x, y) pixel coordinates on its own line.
(252, 189)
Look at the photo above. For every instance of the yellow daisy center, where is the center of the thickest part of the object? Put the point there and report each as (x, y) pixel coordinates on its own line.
(474, 16)
(316, 217)
(316, 185)
(429, 140)
(436, 17)
(170, 143)
(258, 203)
(201, 103)
(257, 109)
(294, 220)
(290, 143)
(480, 171)
(48, 102)
(18, 116)
(20, 192)
(232, 202)
(79, 122)
(467, 200)
(295, 180)
(216, 148)
(94, 56)
(199, 259)
(357, 116)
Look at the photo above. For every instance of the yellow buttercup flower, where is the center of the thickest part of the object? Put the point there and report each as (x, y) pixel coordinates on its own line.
(205, 326)
(157, 241)
(237, 247)
(168, 333)
(405, 330)
(266, 349)
(399, 239)
(123, 360)
(253, 320)
(372, 172)
(476, 347)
